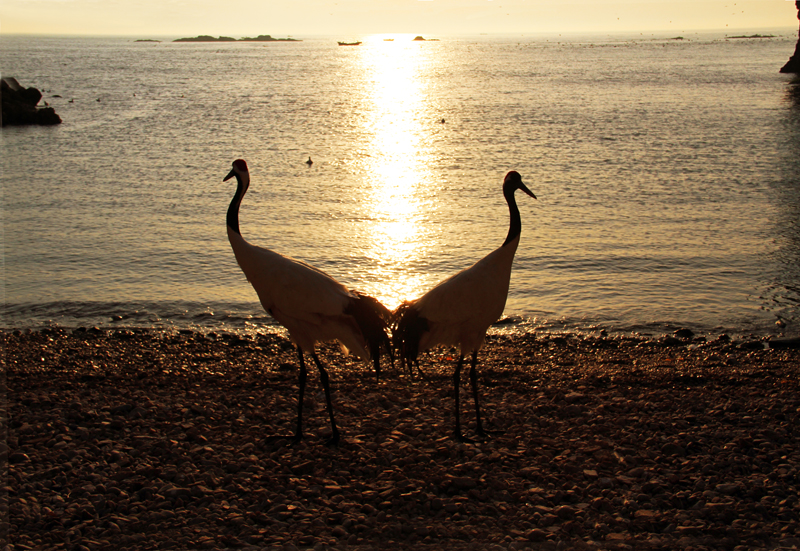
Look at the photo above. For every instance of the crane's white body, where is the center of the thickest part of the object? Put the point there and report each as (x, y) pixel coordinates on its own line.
(306, 301)
(310, 304)
(461, 308)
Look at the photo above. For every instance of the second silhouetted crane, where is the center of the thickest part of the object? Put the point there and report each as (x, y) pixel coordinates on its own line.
(310, 304)
(460, 309)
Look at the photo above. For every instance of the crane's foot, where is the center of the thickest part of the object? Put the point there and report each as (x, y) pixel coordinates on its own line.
(481, 435)
(278, 441)
(333, 441)
(420, 375)
(463, 439)
(486, 433)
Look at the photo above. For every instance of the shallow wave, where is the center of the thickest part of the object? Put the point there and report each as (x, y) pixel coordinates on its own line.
(250, 318)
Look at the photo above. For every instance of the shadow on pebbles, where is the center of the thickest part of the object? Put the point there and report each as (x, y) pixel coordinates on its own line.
(134, 439)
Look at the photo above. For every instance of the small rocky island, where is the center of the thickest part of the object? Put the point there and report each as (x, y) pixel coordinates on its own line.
(259, 38)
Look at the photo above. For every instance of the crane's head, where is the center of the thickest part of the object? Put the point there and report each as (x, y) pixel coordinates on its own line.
(513, 182)
(239, 169)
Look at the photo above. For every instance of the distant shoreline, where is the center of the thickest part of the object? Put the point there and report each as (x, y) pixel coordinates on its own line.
(259, 38)
(754, 36)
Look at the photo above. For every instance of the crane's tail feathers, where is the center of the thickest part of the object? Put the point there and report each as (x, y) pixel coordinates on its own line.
(407, 329)
(373, 318)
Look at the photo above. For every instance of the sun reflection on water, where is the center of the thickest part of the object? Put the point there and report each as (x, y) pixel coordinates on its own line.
(396, 164)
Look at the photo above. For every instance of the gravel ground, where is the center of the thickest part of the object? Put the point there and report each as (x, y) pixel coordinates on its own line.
(148, 440)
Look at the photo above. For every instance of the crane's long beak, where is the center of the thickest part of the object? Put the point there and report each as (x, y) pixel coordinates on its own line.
(230, 175)
(524, 188)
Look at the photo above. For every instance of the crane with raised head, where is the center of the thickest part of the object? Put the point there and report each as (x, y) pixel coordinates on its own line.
(311, 305)
(460, 309)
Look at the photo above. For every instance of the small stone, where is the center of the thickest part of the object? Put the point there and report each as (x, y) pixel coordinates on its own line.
(304, 468)
(605, 483)
(198, 490)
(175, 493)
(565, 512)
(548, 520)
(536, 534)
(573, 397)
(464, 483)
(727, 489)
(637, 472)
(18, 457)
(602, 504)
(673, 449)
(122, 409)
(114, 528)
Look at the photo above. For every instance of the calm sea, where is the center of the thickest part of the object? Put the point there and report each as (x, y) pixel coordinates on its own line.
(667, 174)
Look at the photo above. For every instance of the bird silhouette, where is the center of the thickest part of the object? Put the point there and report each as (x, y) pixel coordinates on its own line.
(309, 162)
(460, 309)
(310, 304)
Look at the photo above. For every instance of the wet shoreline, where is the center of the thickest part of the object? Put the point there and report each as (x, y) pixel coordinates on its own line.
(148, 440)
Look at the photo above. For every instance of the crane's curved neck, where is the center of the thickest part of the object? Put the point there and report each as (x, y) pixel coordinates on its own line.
(515, 226)
(233, 208)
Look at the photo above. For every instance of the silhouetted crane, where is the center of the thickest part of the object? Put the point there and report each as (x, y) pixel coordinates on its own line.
(460, 309)
(310, 304)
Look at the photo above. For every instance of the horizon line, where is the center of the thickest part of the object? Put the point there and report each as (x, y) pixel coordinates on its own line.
(574, 32)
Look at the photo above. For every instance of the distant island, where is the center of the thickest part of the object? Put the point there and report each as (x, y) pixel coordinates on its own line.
(259, 38)
(147, 40)
(754, 36)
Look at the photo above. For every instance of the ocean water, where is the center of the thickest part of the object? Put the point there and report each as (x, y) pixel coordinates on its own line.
(667, 174)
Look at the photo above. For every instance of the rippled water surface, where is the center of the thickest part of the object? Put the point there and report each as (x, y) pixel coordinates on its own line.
(667, 175)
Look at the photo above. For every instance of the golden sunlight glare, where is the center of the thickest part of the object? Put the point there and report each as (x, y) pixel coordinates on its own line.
(397, 164)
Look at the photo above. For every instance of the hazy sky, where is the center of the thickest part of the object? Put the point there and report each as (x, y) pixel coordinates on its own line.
(349, 18)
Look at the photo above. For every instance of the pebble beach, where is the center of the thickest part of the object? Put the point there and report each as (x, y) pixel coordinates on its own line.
(142, 439)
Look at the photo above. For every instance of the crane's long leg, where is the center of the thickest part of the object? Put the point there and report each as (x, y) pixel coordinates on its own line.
(456, 385)
(298, 435)
(376, 355)
(376, 361)
(473, 379)
(419, 370)
(323, 375)
(473, 376)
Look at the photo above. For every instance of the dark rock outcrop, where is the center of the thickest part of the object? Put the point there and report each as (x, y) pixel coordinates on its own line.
(19, 105)
(793, 65)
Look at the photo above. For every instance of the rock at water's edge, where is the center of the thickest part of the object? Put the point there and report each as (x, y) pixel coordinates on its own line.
(793, 65)
(19, 105)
